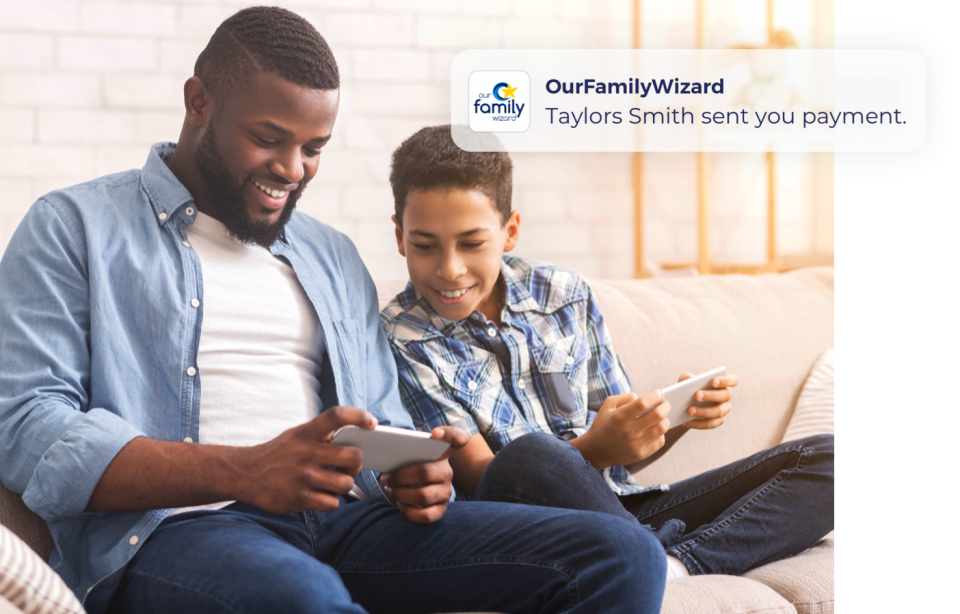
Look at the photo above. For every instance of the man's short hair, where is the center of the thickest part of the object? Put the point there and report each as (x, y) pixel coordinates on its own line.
(430, 160)
(265, 38)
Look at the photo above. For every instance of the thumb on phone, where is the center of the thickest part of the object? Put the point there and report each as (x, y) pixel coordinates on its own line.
(456, 437)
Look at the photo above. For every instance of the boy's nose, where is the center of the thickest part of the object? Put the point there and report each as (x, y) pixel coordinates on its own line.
(451, 268)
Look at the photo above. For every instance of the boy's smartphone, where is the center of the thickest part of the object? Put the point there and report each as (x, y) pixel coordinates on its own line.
(387, 449)
(681, 395)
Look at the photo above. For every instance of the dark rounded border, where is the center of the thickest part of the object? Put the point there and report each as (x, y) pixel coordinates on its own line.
(882, 37)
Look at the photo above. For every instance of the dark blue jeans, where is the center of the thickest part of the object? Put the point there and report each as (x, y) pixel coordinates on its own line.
(367, 557)
(761, 509)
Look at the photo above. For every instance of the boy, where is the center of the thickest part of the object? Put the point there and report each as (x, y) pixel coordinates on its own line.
(516, 353)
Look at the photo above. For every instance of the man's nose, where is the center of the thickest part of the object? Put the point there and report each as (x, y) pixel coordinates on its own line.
(289, 165)
(451, 267)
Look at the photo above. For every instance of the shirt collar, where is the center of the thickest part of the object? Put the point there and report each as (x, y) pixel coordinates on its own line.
(166, 192)
(518, 297)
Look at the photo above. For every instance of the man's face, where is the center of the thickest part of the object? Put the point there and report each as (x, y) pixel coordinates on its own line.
(453, 241)
(259, 151)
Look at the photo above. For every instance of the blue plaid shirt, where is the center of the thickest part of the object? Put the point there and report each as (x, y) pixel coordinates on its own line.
(547, 369)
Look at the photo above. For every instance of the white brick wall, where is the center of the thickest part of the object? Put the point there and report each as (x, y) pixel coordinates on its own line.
(87, 85)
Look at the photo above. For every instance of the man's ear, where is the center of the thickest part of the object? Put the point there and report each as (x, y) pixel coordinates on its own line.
(513, 231)
(198, 102)
(399, 232)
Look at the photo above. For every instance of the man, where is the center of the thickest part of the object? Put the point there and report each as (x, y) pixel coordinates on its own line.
(167, 339)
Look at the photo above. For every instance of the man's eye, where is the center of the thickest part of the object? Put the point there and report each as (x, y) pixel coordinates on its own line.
(311, 152)
(265, 142)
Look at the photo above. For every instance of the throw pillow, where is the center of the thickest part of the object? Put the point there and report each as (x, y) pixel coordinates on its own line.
(814, 411)
(29, 583)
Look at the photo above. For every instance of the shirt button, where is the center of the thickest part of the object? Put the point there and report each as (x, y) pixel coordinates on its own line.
(194, 303)
(162, 216)
(569, 360)
(191, 371)
(186, 243)
(188, 440)
(472, 385)
(189, 210)
(491, 332)
(134, 540)
(521, 384)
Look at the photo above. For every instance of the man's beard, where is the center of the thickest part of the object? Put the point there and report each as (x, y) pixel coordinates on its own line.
(228, 196)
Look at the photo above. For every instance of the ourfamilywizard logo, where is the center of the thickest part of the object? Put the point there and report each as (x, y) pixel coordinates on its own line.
(506, 110)
(499, 101)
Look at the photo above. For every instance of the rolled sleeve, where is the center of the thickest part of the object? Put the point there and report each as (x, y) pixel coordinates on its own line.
(71, 466)
(54, 447)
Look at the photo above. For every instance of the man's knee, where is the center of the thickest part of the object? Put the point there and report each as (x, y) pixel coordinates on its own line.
(318, 589)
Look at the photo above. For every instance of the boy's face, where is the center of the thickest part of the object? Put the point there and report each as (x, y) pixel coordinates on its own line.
(453, 241)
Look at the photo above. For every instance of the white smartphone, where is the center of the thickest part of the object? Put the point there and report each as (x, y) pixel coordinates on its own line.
(387, 449)
(681, 395)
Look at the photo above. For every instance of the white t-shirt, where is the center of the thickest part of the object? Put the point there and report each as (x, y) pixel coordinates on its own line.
(260, 342)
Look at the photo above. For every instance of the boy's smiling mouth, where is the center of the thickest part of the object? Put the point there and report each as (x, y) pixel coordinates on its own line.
(452, 297)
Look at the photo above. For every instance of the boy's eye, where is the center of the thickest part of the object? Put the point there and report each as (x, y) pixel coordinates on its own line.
(424, 247)
(473, 244)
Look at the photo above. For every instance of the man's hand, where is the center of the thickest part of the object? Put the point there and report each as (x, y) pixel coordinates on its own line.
(289, 473)
(422, 492)
(625, 430)
(292, 473)
(711, 417)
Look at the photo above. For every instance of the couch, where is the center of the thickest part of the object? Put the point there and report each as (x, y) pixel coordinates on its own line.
(768, 329)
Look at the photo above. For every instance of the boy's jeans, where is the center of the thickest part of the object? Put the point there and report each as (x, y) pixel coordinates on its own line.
(757, 510)
(366, 556)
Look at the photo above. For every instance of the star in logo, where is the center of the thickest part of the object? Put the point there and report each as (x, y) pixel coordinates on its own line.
(508, 91)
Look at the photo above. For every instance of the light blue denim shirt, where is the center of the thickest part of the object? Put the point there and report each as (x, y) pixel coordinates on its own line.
(97, 332)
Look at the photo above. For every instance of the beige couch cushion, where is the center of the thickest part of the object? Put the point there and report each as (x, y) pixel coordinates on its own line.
(805, 580)
(726, 594)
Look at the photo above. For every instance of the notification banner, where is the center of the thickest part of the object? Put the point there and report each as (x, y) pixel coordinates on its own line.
(688, 100)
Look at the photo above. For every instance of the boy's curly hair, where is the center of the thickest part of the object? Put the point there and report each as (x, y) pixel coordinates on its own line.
(431, 160)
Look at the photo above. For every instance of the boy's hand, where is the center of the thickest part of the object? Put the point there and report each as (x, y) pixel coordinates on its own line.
(422, 492)
(620, 435)
(711, 417)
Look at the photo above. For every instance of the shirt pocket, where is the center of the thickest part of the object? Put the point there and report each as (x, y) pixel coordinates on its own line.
(476, 385)
(562, 377)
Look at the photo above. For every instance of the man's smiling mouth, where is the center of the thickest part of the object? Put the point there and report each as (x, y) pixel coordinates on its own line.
(270, 191)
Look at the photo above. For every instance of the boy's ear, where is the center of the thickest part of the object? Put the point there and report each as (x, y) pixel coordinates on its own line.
(513, 231)
(399, 233)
